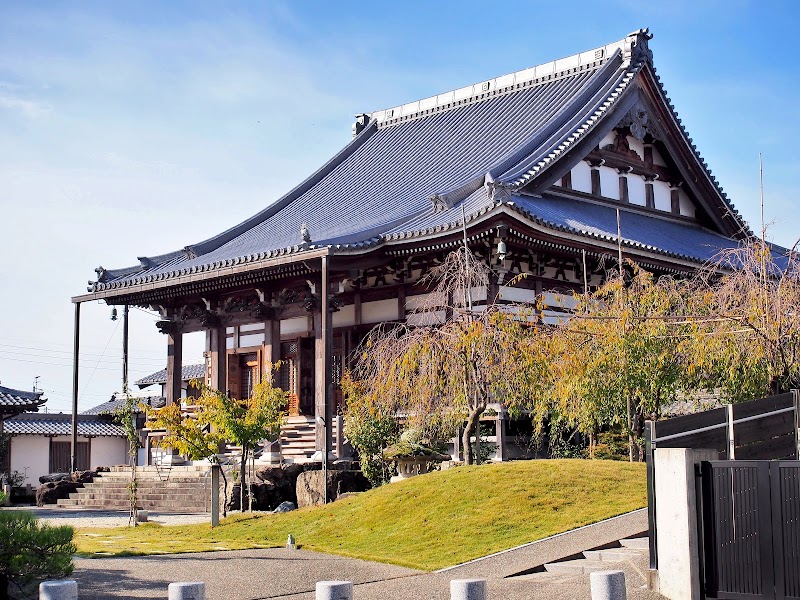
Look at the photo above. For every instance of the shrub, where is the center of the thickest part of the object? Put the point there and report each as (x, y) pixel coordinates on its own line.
(31, 552)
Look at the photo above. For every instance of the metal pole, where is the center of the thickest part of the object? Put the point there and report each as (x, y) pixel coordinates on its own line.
(325, 322)
(76, 350)
(125, 350)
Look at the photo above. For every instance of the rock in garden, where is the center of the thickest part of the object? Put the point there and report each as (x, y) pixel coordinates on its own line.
(285, 507)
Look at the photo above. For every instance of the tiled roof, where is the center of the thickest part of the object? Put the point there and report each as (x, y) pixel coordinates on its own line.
(427, 156)
(13, 400)
(107, 408)
(188, 373)
(60, 424)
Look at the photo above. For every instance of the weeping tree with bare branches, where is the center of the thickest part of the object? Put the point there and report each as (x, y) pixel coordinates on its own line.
(749, 344)
(446, 368)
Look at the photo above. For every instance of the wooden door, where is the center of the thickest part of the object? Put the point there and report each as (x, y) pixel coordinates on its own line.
(61, 457)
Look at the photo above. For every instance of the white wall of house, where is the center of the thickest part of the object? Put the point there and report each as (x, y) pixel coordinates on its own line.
(108, 451)
(30, 455)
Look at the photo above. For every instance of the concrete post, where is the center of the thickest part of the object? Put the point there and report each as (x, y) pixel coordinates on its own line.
(468, 589)
(676, 521)
(63, 589)
(214, 495)
(334, 590)
(608, 585)
(500, 435)
(339, 442)
(187, 590)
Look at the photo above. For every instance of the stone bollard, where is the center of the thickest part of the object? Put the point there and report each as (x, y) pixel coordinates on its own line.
(334, 590)
(187, 590)
(608, 585)
(468, 589)
(63, 589)
(142, 516)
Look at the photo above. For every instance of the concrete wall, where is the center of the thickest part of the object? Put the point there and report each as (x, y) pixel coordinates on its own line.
(676, 521)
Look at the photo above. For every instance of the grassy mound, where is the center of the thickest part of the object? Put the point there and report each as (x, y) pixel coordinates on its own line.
(426, 522)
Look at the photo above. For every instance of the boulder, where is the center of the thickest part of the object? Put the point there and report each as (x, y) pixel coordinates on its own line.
(310, 491)
(285, 507)
(53, 491)
(83, 476)
(54, 477)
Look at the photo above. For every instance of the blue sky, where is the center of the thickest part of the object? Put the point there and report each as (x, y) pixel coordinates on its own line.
(131, 129)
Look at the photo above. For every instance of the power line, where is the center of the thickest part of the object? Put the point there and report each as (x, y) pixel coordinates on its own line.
(104, 361)
(66, 351)
(68, 365)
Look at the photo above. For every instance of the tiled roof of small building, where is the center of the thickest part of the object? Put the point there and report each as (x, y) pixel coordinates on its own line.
(60, 424)
(431, 155)
(188, 373)
(13, 400)
(107, 408)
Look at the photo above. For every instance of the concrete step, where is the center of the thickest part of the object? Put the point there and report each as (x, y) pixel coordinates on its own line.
(613, 554)
(640, 543)
(580, 566)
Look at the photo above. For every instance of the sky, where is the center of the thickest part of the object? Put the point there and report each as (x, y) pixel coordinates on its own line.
(132, 129)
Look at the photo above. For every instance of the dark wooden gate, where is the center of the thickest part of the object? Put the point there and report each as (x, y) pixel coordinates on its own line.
(750, 528)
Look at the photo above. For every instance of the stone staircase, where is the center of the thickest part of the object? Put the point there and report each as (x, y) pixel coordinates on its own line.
(178, 489)
(298, 441)
(628, 551)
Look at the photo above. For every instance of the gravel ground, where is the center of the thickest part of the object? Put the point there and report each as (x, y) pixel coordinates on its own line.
(83, 518)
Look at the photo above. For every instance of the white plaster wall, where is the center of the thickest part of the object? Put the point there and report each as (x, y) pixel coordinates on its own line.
(251, 339)
(662, 195)
(345, 316)
(30, 455)
(636, 145)
(108, 451)
(636, 191)
(687, 208)
(426, 318)
(658, 159)
(582, 177)
(559, 300)
(420, 300)
(294, 325)
(228, 344)
(381, 310)
(609, 183)
(609, 139)
(252, 327)
(513, 294)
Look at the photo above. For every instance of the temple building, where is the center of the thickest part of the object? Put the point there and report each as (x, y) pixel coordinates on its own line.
(532, 168)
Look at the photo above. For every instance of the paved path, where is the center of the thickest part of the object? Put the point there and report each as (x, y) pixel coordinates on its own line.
(83, 518)
(292, 574)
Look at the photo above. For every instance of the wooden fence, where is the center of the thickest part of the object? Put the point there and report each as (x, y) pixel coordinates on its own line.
(765, 429)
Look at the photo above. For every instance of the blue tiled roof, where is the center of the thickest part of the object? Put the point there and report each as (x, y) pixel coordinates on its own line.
(60, 424)
(107, 408)
(380, 187)
(188, 373)
(18, 399)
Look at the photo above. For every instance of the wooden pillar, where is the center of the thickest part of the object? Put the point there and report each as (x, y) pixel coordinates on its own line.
(174, 362)
(322, 365)
(272, 346)
(401, 303)
(597, 189)
(216, 338)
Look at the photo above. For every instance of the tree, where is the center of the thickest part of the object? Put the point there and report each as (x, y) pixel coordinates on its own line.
(619, 359)
(31, 552)
(370, 430)
(125, 417)
(749, 343)
(219, 417)
(445, 370)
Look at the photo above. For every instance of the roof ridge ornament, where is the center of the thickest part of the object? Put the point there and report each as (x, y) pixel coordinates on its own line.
(636, 46)
(305, 236)
(362, 120)
(499, 191)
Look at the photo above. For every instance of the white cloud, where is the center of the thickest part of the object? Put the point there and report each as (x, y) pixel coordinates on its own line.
(30, 109)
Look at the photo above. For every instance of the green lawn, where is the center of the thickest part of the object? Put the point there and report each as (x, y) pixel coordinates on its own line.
(426, 522)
